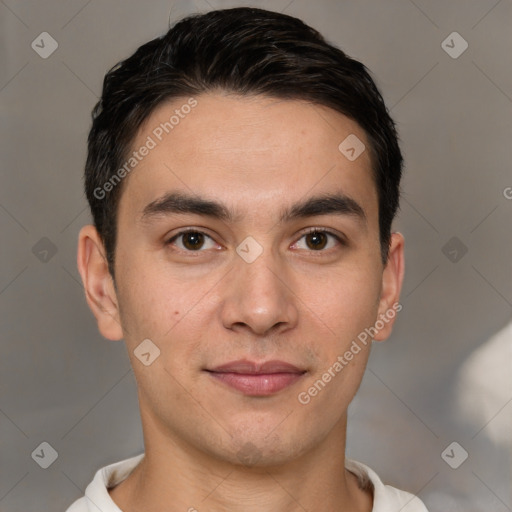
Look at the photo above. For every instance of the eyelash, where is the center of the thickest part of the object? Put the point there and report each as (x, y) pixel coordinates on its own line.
(338, 238)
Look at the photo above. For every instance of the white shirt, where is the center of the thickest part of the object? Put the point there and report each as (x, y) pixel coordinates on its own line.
(97, 498)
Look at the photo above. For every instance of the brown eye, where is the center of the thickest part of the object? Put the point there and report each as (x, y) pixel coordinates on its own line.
(191, 241)
(318, 240)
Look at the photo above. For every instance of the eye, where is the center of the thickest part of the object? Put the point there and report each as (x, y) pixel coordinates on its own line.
(192, 240)
(317, 239)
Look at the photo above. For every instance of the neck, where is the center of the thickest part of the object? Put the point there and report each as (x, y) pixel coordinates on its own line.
(176, 473)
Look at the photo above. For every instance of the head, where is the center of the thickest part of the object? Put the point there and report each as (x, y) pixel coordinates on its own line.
(247, 128)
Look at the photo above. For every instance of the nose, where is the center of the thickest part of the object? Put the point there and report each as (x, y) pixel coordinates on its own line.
(259, 296)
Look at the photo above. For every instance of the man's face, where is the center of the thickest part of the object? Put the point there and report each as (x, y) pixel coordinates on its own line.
(210, 298)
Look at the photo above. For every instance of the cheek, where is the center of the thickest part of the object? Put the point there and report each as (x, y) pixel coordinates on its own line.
(163, 304)
(345, 306)
(145, 303)
(340, 345)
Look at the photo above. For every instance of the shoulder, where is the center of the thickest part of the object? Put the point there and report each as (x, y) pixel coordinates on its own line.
(96, 494)
(385, 497)
(80, 505)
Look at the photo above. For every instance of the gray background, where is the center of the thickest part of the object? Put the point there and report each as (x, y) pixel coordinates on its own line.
(63, 384)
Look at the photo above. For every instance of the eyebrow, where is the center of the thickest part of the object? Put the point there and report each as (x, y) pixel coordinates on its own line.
(324, 204)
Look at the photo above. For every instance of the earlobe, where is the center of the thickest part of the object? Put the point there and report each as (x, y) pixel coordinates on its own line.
(392, 279)
(98, 284)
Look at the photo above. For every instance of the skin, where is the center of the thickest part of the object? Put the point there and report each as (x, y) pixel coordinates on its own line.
(295, 303)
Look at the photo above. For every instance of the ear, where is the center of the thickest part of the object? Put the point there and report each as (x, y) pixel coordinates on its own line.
(392, 278)
(98, 283)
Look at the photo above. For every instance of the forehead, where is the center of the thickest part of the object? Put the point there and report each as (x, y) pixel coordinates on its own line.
(248, 152)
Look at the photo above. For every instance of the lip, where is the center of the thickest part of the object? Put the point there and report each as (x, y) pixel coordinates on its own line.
(249, 367)
(257, 379)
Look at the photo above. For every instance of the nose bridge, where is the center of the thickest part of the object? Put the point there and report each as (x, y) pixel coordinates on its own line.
(258, 295)
(257, 268)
